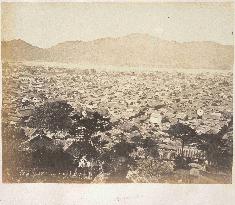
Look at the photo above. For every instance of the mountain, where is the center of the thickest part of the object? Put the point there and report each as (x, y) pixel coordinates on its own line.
(130, 50)
(19, 50)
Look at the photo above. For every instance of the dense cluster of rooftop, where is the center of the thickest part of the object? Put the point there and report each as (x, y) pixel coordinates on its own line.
(137, 106)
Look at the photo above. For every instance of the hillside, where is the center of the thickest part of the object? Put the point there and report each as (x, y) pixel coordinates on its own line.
(19, 50)
(131, 50)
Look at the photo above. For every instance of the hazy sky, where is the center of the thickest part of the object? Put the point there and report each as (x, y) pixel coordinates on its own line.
(46, 24)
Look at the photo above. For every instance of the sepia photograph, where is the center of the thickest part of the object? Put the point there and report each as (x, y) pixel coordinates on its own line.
(128, 92)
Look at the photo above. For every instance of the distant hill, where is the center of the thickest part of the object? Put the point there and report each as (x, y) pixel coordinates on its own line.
(131, 50)
(19, 50)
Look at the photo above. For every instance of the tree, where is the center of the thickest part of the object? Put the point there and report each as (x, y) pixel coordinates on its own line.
(54, 160)
(86, 126)
(150, 145)
(219, 147)
(117, 159)
(53, 116)
(183, 132)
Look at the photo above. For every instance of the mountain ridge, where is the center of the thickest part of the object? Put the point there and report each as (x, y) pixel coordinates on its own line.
(130, 50)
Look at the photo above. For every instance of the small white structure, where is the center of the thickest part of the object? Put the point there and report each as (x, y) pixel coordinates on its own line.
(156, 118)
(83, 162)
(200, 112)
(24, 100)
